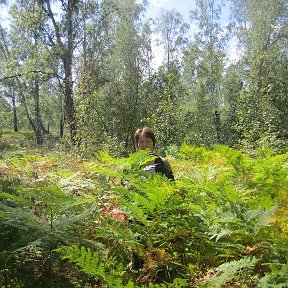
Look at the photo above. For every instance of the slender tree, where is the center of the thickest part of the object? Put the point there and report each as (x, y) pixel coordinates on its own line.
(262, 31)
(23, 64)
(111, 86)
(203, 70)
(8, 85)
(62, 34)
(172, 31)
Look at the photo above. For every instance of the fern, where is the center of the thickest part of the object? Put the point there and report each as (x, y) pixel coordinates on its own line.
(239, 161)
(240, 224)
(198, 154)
(223, 205)
(277, 278)
(146, 197)
(91, 264)
(230, 271)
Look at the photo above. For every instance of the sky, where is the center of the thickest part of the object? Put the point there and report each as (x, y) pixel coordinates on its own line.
(4, 16)
(184, 7)
(154, 10)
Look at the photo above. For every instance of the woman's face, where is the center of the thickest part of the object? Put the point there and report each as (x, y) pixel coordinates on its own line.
(144, 143)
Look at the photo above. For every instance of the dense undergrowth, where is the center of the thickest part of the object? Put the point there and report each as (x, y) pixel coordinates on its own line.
(66, 221)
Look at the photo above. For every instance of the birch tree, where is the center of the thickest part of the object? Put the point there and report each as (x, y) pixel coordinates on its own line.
(112, 89)
(262, 28)
(203, 70)
(172, 35)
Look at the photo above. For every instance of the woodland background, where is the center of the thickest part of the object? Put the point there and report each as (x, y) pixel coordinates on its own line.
(76, 79)
(84, 67)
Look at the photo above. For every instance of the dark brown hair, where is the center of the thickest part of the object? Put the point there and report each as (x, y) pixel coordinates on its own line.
(146, 132)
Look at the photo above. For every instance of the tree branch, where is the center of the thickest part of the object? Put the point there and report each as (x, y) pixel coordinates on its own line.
(29, 72)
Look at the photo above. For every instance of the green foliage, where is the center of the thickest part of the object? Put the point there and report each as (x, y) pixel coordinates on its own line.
(230, 270)
(166, 116)
(197, 154)
(199, 95)
(78, 222)
(90, 263)
(278, 278)
(258, 118)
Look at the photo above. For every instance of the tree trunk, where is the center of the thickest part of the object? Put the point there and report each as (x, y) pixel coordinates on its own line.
(69, 108)
(66, 56)
(23, 100)
(62, 120)
(15, 117)
(38, 120)
(217, 122)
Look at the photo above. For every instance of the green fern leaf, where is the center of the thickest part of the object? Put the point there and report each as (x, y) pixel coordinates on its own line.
(229, 271)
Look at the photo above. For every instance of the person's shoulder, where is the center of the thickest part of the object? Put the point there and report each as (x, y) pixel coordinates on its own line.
(164, 167)
(158, 159)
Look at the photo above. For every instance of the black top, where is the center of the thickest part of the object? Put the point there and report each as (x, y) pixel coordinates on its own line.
(164, 168)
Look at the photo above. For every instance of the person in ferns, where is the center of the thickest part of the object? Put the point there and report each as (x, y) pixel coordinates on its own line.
(145, 139)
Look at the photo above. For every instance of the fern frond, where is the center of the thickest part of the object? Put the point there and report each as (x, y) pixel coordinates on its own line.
(229, 271)
(277, 278)
(90, 263)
